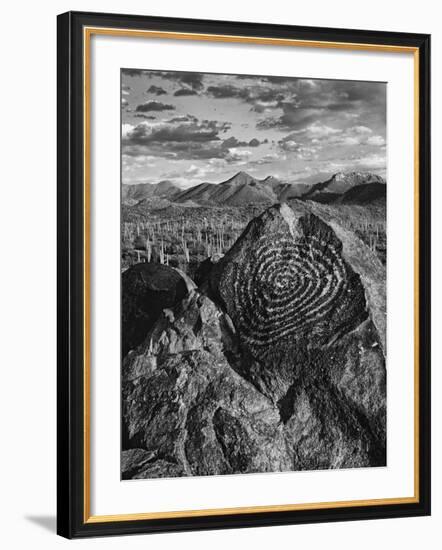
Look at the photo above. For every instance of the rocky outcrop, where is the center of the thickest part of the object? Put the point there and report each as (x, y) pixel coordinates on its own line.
(309, 309)
(147, 288)
(279, 364)
(186, 411)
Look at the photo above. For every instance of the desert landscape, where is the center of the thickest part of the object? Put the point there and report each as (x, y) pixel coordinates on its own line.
(184, 228)
(253, 274)
(253, 329)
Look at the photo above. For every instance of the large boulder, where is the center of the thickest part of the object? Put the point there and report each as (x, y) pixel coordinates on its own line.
(185, 409)
(307, 299)
(147, 288)
(278, 364)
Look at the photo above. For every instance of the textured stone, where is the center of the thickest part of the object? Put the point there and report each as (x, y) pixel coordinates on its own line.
(307, 299)
(184, 404)
(147, 288)
(279, 366)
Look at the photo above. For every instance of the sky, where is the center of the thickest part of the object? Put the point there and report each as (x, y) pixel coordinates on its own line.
(191, 128)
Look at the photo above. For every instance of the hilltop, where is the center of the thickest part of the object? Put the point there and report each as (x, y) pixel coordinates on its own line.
(340, 183)
(242, 189)
(132, 194)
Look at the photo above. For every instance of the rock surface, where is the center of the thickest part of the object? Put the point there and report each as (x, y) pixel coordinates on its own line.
(187, 409)
(307, 299)
(147, 288)
(281, 366)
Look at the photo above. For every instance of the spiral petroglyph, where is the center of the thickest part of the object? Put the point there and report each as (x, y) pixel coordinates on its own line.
(274, 364)
(291, 287)
(253, 274)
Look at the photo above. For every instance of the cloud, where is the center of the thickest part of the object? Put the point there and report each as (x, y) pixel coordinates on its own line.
(154, 106)
(371, 162)
(185, 92)
(315, 124)
(261, 98)
(180, 138)
(315, 137)
(156, 90)
(193, 81)
(184, 118)
(270, 158)
(145, 117)
(144, 133)
(237, 156)
(126, 129)
(224, 91)
(192, 171)
(361, 130)
(185, 79)
(133, 72)
(376, 140)
(327, 101)
(186, 138)
(289, 144)
(320, 131)
(234, 142)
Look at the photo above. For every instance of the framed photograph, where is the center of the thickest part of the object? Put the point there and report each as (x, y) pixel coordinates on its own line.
(243, 274)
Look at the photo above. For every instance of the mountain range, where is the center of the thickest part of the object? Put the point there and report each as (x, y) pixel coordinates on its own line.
(132, 194)
(243, 189)
(347, 187)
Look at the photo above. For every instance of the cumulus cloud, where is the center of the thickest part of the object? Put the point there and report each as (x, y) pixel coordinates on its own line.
(145, 117)
(186, 137)
(154, 106)
(205, 131)
(237, 156)
(269, 158)
(234, 142)
(133, 72)
(261, 98)
(225, 91)
(183, 118)
(156, 90)
(305, 124)
(376, 140)
(190, 80)
(318, 136)
(327, 100)
(185, 92)
(181, 138)
(126, 129)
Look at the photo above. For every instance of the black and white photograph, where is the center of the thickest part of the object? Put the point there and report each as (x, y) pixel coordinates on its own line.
(253, 274)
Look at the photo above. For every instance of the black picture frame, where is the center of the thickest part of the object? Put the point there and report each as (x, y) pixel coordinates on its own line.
(71, 391)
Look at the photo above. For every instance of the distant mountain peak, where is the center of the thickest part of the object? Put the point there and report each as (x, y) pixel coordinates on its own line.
(142, 191)
(271, 180)
(358, 177)
(241, 178)
(341, 182)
